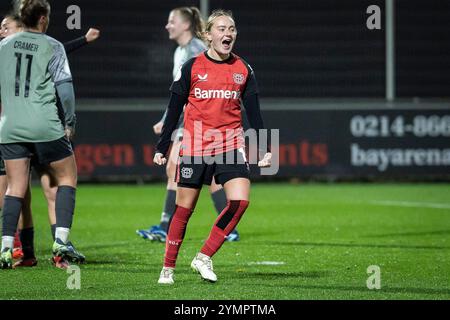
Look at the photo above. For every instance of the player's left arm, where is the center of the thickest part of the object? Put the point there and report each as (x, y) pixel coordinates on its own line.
(62, 77)
(66, 96)
(250, 100)
(178, 98)
(92, 35)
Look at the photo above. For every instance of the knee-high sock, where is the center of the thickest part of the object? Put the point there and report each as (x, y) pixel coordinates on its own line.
(220, 201)
(11, 213)
(169, 209)
(64, 207)
(17, 242)
(175, 236)
(27, 239)
(53, 231)
(10, 218)
(225, 223)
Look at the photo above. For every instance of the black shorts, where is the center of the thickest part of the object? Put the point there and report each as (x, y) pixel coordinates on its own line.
(43, 152)
(2, 167)
(41, 167)
(193, 172)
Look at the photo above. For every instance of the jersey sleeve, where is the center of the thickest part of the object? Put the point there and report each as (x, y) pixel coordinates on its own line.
(174, 111)
(251, 86)
(59, 64)
(182, 81)
(196, 47)
(71, 46)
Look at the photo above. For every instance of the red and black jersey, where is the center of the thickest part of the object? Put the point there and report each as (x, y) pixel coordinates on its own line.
(211, 92)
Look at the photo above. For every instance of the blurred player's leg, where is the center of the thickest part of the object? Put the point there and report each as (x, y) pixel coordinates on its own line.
(237, 191)
(17, 175)
(159, 232)
(186, 201)
(220, 202)
(26, 233)
(49, 187)
(17, 251)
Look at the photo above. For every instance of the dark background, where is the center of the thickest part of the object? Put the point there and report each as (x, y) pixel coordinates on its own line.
(298, 48)
(316, 62)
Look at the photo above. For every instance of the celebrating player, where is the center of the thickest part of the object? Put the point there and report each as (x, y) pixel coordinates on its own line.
(185, 27)
(211, 86)
(35, 65)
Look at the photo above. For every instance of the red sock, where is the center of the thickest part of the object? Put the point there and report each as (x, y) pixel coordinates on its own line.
(225, 223)
(17, 243)
(175, 236)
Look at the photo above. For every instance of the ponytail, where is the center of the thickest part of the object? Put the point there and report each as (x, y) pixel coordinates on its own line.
(193, 15)
(30, 11)
(197, 27)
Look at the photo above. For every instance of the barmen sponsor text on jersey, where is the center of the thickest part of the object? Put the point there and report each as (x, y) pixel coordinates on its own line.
(216, 94)
(26, 46)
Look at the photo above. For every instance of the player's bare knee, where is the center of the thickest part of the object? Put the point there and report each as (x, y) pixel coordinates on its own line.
(186, 203)
(67, 181)
(17, 189)
(170, 169)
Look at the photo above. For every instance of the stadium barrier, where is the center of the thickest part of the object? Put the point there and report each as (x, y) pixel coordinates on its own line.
(357, 140)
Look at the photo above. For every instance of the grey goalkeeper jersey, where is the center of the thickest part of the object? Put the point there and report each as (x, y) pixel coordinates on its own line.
(181, 55)
(31, 64)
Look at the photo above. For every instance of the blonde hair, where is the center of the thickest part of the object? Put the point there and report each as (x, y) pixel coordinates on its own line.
(215, 14)
(193, 15)
(14, 17)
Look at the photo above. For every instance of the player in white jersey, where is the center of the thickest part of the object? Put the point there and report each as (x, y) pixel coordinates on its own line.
(185, 27)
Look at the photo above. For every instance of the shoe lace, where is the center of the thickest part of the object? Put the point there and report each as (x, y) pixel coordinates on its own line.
(167, 273)
(208, 263)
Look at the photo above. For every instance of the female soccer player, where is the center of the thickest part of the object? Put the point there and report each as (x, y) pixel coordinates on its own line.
(10, 25)
(36, 65)
(211, 86)
(185, 27)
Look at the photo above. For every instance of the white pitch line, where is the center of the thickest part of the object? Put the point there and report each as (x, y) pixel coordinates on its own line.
(267, 263)
(412, 204)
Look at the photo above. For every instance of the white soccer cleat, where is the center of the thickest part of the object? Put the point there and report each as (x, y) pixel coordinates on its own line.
(166, 276)
(203, 265)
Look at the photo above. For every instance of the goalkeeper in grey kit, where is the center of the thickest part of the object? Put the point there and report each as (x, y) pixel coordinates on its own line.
(32, 65)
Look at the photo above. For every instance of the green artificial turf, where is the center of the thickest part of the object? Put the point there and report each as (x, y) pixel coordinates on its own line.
(318, 241)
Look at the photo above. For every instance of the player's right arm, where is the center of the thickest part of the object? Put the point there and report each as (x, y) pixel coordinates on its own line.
(77, 43)
(157, 128)
(178, 98)
(174, 111)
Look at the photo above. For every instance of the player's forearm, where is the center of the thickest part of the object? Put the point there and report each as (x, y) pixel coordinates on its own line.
(164, 116)
(174, 111)
(75, 44)
(67, 97)
(253, 111)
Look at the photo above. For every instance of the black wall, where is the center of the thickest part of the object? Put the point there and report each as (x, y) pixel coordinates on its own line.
(389, 143)
(298, 48)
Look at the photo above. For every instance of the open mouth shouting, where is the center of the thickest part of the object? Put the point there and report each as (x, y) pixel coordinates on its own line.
(227, 43)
